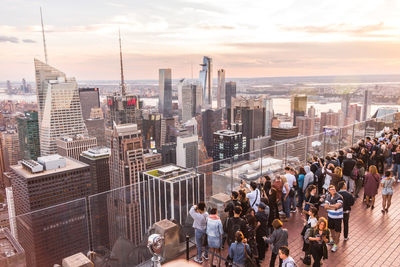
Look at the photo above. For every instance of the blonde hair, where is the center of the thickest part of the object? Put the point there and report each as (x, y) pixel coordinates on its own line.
(283, 178)
(372, 169)
(338, 171)
(323, 220)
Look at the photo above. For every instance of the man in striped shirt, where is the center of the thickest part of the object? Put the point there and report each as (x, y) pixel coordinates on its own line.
(334, 206)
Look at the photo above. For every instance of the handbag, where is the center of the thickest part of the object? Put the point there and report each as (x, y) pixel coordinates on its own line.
(307, 260)
(249, 262)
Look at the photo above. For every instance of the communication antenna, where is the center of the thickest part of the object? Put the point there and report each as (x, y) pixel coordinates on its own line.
(44, 39)
(123, 88)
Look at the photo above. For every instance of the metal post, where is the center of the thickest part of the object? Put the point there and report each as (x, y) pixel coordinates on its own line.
(231, 174)
(323, 150)
(286, 160)
(340, 138)
(305, 151)
(187, 247)
(352, 135)
(261, 174)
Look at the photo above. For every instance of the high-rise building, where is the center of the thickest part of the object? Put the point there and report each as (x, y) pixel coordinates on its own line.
(165, 94)
(95, 126)
(230, 92)
(12, 253)
(98, 160)
(250, 113)
(123, 109)
(39, 185)
(3, 166)
(168, 153)
(168, 193)
(282, 133)
(187, 154)
(305, 125)
(73, 146)
(345, 104)
(269, 113)
(221, 88)
(167, 130)
(311, 112)
(152, 160)
(189, 100)
(28, 133)
(180, 101)
(11, 151)
(329, 118)
(9, 87)
(90, 98)
(211, 122)
(125, 163)
(60, 111)
(151, 130)
(206, 80)
(298, 106)
(366, 106)
(227, 144)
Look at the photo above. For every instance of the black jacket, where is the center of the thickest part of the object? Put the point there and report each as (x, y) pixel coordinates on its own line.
(231, 206)
(348, 165)
(348, 200)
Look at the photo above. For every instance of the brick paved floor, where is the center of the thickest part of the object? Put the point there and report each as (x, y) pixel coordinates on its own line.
(374, 237)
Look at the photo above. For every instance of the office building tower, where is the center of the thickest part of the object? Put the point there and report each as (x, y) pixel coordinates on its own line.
(227, 144)
(95, 126)
(189, 100)
(90, 98)
(39, 185)
(269, 113)
(206, 80)
(24, 87)
(354, 114)
(151, 130)
(60, 111)
(298, 106)
(11, 211)
(28, 134)
(11, 151)
(250, 113)
(311, 112)
(345, 104)
(366, 105)
(179, 87)
(3, 166)
(125, 163)
(329, 118)
(73, 146)
(12, 253)
(165, 93)
(167, 130)
(284, 132)
(230, 92)
(187, 155)
(199, 98)
(221, 88)
(98, 160)
(305, 125)
(168, 193)
(152, 160)
(210, 123)
(123, 109)
(168, 153)
(9, 87)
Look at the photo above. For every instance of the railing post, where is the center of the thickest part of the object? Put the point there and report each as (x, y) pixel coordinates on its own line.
(323, 150)
(261, 157)
(340, 137)
(187, 247)
(231, 173)
(286, 160)
(305, 151)
(352, 135)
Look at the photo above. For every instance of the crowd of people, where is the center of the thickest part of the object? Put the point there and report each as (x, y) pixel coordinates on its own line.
(257, 211)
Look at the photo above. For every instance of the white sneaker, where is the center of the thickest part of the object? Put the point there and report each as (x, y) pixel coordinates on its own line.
(199, 261)
(346, 239)
(334, 248)
(282, 213)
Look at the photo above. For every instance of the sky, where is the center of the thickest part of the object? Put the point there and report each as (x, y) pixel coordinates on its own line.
(247, 38)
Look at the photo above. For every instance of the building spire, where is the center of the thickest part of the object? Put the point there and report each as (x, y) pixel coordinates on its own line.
(123, 88)
(44, 39)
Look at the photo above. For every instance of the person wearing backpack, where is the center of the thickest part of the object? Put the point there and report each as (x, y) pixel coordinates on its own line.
(234, 224)
(233, 203)
(287, 261)
(358, 175)
(348, 166)
(348, 201)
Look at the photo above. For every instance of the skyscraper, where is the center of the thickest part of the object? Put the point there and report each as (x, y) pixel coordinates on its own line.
(89, 98)
(221, 88)
(28, 133)
(210, 123)
(187, 154)
(39, 185)
(10, 148)
(73, 146)
(227, 144)
(230, 92)
(95, 126)
(345, 104)
(151, 130)
(60, 111)
(366, 106)
(206, 80)
(189, 100)
(125, 163)
(298, 107)
(165, 95)
(269, 113)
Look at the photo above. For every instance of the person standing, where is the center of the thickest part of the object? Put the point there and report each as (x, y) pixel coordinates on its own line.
(348, 201)
(254, 196)
(291, 180)
(372, 180)
(286, 198)
(238, 250)
(244, 201)
(319, 237)
(348, 166)
(200, 215)
(214, 235)
(233, 203)
(387, 191)
(396, 163)
(359, 174)
(273, 207)
(278, 239)
(287, 261)
(334, 207)
(234, 224)
(261, 232)
(300, 182)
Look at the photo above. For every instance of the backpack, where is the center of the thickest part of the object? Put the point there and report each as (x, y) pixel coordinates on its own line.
(232, 227)
(354, 174)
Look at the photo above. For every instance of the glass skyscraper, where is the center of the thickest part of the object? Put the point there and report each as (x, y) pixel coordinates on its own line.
(28, 134)
(206, 79)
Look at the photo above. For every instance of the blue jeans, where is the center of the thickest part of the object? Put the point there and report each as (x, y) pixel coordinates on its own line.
(199, 242)
(396, 170)
(287, 207)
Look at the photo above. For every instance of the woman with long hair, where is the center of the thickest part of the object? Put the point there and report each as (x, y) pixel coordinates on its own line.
(387, 191)
(359, 174)
(372, 181)
(214, 235)
(300, 183)
(244, 202)
(311, 223)
(238, 250)
(311, 200)
(318, 238)
(251, 228)
(278, 239)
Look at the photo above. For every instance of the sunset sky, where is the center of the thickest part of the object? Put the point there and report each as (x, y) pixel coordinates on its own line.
(247, 38)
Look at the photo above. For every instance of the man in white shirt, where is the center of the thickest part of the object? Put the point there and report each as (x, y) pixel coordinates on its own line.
(254, 196)
(291, 179)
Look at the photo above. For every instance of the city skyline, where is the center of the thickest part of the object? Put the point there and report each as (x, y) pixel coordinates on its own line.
(275, 39)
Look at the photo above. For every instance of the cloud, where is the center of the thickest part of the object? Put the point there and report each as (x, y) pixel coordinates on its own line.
(365, 30)
(215, 27)
(30, 41)
(10, 39)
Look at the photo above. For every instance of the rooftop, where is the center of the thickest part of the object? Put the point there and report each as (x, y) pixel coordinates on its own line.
(97, 152)
(227, 132)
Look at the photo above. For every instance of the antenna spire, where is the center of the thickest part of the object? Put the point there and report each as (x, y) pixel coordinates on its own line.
(122, 68)
(44, 39)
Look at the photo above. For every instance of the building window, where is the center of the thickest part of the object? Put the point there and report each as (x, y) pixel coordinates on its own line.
(221, 145)
(221, 156)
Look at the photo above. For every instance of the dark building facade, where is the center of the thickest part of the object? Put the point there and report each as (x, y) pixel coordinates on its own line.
(278, 134)
(298, 107)
(95, 127)
(230, 92)
(89, 98)
(49, 235)
(151, 130)
(211, 121)
(28, 134)
(168, 153)
(123, 109)
(227, 144)
(165, 95)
